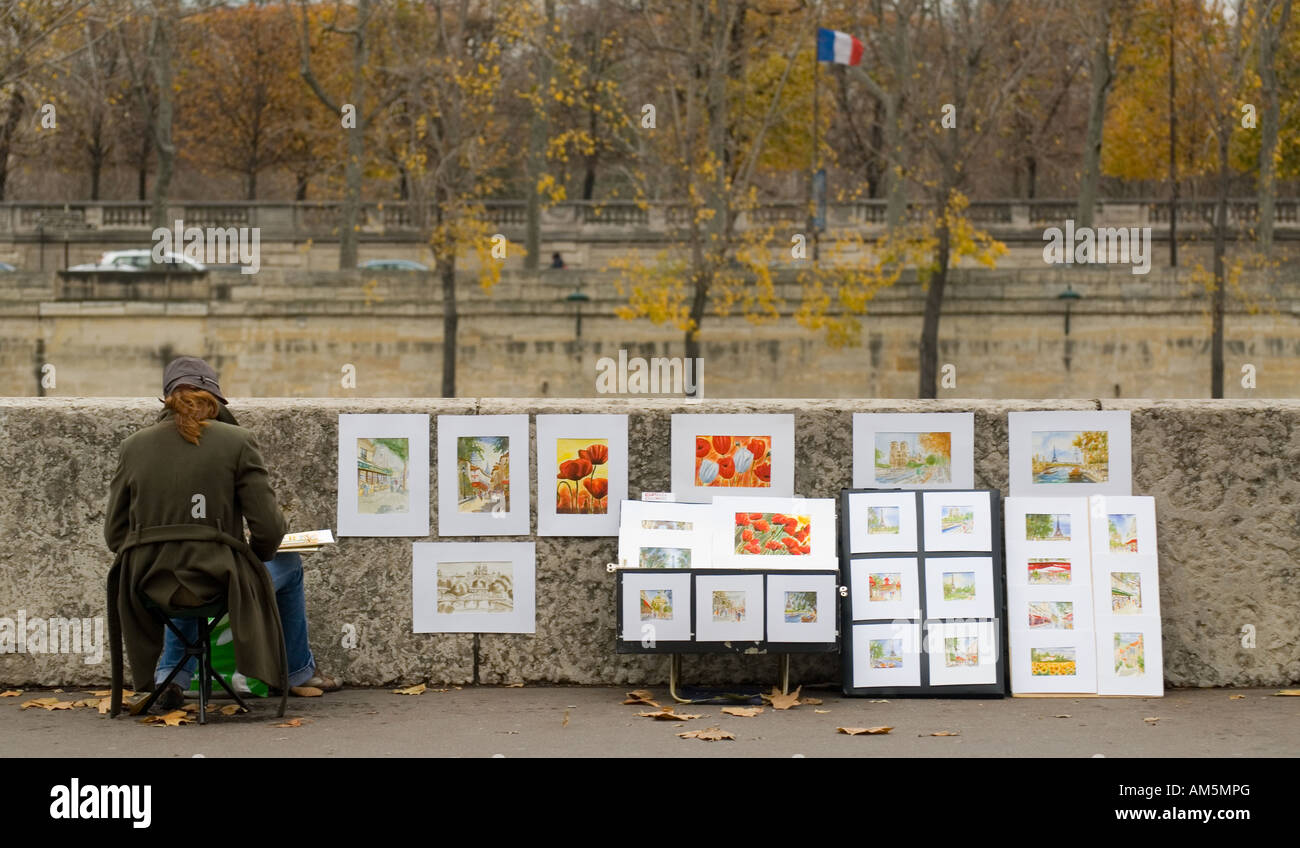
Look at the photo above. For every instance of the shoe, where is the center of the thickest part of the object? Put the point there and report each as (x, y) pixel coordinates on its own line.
(320, 681)
(172, 698)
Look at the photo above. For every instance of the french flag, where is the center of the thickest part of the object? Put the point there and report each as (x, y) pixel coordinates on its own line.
(838, 47)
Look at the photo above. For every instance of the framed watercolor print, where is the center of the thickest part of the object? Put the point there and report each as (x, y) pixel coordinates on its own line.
(581, 474)
(1070, 454)
(476, 495)
(383, 475)
(729, 608)
(665, 535)
(1129, 656)
(957, 521)
(881, 522)
(1126, 595)
(885, 656)
(884, 588)
(801, 607)
(655, 607)
(1053, 662)
(473, 587)
(964, 653)
(959, 587)
(774, 533)
(914, 450)
(732, 455)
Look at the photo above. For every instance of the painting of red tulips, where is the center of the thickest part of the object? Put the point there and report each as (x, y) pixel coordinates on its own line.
(773, 534)
(582, 476)
(733, 461)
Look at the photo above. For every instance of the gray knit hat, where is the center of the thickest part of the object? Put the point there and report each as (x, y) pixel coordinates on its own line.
(191, 371)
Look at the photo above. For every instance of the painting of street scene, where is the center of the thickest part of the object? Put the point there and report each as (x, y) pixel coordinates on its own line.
(1049, 571)
(961, 651)
(958, 585)
(1051, 615)
(662, 524)
(656, 604)
(772, 534)
(381, 476)
(582, 476)
(1070, 456)
(1047, 527)
(1123, 533)
(882, 520)
(478, 587)
(1130, 661)
(957, 520)
(886, 653)
(800, 607)
(1125, 592)
(728, 606)
(913, 459)
(483, 473)
(1053, 662)
(665, 558)
(885, 586)
(733, 461)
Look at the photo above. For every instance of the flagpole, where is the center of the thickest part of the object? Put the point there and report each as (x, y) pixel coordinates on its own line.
(812, 157)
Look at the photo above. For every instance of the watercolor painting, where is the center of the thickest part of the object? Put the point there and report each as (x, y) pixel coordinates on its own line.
(886, 653)
(1070, 456)
(479, 587)
(742, 462)
(1047, 527)
(882, 520)
(886, 586)
(656, 604)
(1130, 661)
(958, 585)
(582, 476)
(772, 534)
(1051, 615)
(1125, 592)
(957, 520)
(1053, 662)
(483, 473)
(660, 524)
(381, 476)
(800, 607)
(961, 651)
(913, 459)
(1123, 533)
(1049, 571)
(665, 558)
(728, 606)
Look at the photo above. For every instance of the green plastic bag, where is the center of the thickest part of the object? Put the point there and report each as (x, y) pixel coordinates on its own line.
(223, 663)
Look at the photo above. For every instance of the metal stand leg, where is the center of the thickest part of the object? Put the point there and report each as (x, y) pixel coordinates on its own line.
(785, 674)
(674, 675)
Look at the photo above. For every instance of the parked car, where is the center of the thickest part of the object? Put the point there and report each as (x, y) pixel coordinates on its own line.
(392, 265)
(140, 260)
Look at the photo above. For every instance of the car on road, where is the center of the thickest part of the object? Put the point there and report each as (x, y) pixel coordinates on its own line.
(392, 265)
(140, 260)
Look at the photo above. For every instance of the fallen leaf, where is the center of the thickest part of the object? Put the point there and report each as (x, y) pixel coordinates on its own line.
(417, 689)
(86, 702)
(861, 731)
(780, 701)
(709, 734)
(565, 723)
(641, 698)
(1062, 715)
(105, 704)
(667, 714)
(191, 708)
(1236, 697)
(877, 701)
(306, 691)
(1151, 719)
(101, 693)
(946, 733)
(744, 712)
(175, 718)
(231, 709)
(817, 702)
(514, 685)
(43, 703)
(11, 693)
(1289, 692)
(821, 712)
(292, 722)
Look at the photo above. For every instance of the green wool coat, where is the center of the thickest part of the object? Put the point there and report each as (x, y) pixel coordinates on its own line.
(176, 514)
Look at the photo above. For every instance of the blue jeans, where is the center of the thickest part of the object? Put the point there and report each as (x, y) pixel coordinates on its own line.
(286, 577)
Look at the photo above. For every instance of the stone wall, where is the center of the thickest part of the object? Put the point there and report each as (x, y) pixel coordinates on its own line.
(1222, 473)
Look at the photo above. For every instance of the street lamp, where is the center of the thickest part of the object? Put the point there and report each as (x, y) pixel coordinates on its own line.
(577, 297)
(1069, 296)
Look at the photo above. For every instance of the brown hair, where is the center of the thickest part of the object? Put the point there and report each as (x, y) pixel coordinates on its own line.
(192, 407)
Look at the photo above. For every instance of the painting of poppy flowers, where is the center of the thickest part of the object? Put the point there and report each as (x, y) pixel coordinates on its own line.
(772, 534)
(733, 461)
(582, 476)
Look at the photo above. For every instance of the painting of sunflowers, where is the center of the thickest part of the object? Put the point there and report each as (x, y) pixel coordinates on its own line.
(733, 461)
(773, 534)
(582, 478)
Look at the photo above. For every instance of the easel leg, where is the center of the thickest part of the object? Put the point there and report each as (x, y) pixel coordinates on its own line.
(674, 676)
(785, 674)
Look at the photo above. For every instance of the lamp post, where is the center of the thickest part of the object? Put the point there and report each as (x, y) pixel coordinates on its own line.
(1069, 296)
(577, 297)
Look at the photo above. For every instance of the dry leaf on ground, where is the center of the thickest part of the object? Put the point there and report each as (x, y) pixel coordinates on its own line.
(1151, 719)
(1236, 697)
(175, 718)
(292, 722)
(1062, 715)
(816, 702)
(565, 723)
(641, 698)
(864, 731)
(105, 704)
(86, 702)
(667, 714)
(417, 689)
(744, 712)
(1289, 692)
(514, 685)
(821, 712)
(780, 701)
(43, 703)
(11, 693)
(709, 734)
(946, 733)
(306, 691)
(192, 707)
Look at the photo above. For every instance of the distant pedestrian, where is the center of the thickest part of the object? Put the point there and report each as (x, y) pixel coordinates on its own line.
(557, 261)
